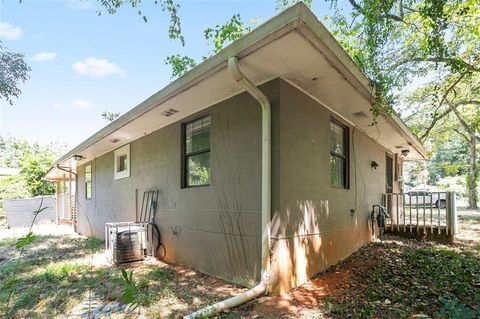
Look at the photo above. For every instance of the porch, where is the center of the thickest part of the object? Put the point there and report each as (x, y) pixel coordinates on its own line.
(424, 215)
(66, 207)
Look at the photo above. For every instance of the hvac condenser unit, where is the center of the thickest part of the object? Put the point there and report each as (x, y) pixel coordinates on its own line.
(126, 241)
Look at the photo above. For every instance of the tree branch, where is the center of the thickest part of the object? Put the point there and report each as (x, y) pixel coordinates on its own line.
(464, 64)
(467, 102)
(462, 135)
(450, 107)
(462, 121)
(359, 8)
(424, 136)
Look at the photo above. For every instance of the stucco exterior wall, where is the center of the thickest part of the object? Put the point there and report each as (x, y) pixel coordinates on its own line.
(313, 226)
(215, 229)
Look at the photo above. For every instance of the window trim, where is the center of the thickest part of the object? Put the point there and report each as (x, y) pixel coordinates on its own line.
(346, 157)
(119, 152)
(185, 156)
(88, 182)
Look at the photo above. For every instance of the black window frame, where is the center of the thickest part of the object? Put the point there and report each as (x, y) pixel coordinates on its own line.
(186, 156)
(88, 182)
(346, 157)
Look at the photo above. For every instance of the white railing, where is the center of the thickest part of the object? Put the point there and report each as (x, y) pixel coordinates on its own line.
(65, 206)
(421, 211)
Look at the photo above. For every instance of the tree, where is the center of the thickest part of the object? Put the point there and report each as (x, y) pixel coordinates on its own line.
(33, 160)
(169, 6)
(33, 170)
(12, 151)
(218, 36)
(110, 116)
(13, 71)
(450, 106)
(396, 41)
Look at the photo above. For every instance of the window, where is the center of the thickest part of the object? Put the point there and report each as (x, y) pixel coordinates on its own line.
(88, 181)
(338, 155)
(196, 153)
(122, 162)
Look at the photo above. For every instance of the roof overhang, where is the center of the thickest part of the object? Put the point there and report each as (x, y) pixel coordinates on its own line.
(293, 46)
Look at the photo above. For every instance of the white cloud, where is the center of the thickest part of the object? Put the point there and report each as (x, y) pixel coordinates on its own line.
(80, 4)
(58, 106)
(9, 32)
(44, 56)
(97, 68)
(82, 104)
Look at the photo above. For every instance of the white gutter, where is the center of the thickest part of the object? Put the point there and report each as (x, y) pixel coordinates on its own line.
(266, 199)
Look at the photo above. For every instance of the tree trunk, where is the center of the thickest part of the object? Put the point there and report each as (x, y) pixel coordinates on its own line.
(472, 175)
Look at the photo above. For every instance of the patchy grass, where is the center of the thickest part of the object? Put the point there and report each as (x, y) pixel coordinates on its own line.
(51, 274)
(57, 272)
(401, 278)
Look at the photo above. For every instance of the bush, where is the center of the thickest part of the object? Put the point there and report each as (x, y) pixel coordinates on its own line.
(455, 184)
(13, 187)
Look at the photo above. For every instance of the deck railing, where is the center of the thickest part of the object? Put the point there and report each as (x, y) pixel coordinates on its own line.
(427, 212)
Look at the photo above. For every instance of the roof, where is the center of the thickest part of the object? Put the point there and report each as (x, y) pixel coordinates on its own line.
(294, 46)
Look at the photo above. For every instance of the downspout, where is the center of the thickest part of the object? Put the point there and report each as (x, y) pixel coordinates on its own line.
(266, 198)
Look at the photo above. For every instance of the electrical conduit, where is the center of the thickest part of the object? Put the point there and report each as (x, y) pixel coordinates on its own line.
(266, 199)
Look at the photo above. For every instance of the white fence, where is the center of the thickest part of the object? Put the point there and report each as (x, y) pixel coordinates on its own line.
(432, 212)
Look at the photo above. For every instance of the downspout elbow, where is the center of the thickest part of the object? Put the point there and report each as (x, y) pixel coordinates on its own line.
(262, 287)
(238, 76)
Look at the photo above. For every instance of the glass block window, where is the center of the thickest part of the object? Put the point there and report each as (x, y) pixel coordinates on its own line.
(338, 155)
(88, 181)
(196, 157)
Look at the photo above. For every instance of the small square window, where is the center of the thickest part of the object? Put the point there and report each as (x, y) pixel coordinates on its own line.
(122, 162)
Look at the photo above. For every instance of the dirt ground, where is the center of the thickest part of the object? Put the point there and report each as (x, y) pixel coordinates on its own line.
(343, 290)
(398, 278)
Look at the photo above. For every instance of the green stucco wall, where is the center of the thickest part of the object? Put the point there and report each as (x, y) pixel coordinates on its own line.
(216, 229)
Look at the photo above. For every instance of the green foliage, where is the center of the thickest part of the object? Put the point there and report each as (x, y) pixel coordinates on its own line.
(33, 170)
(110, 116)
(180, 64)
(13, 150)
(169, 6)
(411, 280)
(13, 187)
(395, 41)
(24, 241)
(283, 4)
(453, 308)
(13, 71)
(33, 160)
(454, 183)
(130, 290)
(219, 36)
(226, 33)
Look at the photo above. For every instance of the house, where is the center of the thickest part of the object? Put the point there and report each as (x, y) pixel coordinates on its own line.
(264, 156)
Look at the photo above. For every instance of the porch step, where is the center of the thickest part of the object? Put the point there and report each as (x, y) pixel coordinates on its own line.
(65, 222)
(422, 234)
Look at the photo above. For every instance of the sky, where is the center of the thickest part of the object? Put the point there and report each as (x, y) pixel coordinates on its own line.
(83, 64)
